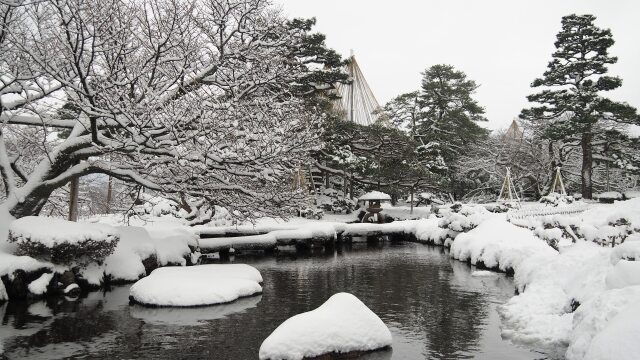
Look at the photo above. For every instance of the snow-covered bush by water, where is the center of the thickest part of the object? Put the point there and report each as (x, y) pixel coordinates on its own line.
(496, 243)
(342, 324)
(62, 242)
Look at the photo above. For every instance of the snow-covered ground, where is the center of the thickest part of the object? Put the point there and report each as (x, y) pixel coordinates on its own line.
(196, 285)
(602, 284)
(342, 324)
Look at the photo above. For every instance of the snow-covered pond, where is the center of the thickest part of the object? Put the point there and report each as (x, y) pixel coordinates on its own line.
(432, 304)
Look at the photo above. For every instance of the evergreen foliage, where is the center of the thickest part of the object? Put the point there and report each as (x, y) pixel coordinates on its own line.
(570, 98)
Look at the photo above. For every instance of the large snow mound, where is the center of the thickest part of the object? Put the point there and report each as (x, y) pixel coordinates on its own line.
(125, 264)
(619, 339)
(596, 315)
(342, 324)
(196, 285)
(498, 244)
(51, 231)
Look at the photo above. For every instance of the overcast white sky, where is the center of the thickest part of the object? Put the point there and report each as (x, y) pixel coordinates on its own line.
(501, 44)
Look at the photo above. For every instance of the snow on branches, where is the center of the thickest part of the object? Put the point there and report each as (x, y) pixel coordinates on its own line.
(197, 97)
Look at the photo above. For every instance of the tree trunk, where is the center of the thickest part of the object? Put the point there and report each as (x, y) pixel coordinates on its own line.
(587, 165)
(411, 212)
(351, 186)
(109, 194)
(73, 199)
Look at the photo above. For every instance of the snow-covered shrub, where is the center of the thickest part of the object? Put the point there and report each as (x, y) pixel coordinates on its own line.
(462, 218)
(555, 199)
(631, 195)
(606, 226)
(310, 213)
(332, 200)
(609, 197)
(429, 198)
(450, 222)
(498, 208)
(63, 242)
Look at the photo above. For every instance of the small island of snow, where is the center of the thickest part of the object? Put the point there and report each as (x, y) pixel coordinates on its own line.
(196, 285)
(342, 324)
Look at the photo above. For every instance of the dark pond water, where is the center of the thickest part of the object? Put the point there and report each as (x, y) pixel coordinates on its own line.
(433, 306)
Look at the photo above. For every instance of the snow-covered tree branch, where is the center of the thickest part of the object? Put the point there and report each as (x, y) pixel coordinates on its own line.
(197, 97)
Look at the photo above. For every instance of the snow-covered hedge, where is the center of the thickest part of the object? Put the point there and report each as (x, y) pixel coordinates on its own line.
(603, 225)
(555, 199)
(609, 196)
(62, 242)
(498, 244)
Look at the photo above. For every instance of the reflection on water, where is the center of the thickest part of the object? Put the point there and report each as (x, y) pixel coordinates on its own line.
(192, 316)
(432, 305)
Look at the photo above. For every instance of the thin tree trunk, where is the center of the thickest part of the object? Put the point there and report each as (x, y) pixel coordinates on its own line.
(351, 186)
(73, 199)
(109, 194)
(411, 212)
(587, 165)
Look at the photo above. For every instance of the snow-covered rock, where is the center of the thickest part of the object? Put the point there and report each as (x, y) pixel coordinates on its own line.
(39, 285)
(196, 285)
(342, 324)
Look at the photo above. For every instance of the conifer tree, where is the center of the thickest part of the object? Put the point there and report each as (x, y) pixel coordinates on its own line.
(570, 99)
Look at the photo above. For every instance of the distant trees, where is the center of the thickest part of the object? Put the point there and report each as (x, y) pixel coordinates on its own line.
(204, 99)
(570, 103)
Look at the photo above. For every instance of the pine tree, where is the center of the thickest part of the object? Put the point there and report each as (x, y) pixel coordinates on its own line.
(570, 100)
(449, 114)
(442, 118)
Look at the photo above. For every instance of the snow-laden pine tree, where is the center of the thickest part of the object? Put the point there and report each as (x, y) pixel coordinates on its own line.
(194, 97)
(570, 99)
(442, 116)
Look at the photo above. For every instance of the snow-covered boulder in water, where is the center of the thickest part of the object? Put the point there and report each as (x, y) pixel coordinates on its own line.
(342, 324)
(61, 241)
(196, 285)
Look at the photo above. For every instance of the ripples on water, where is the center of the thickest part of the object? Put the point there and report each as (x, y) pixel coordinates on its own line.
(432, 305)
